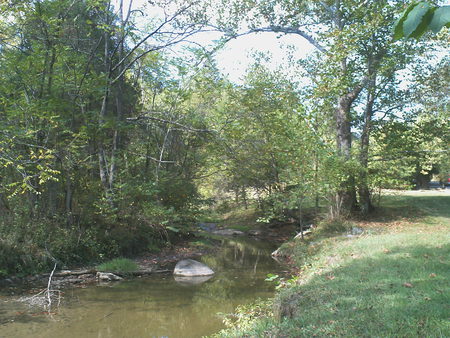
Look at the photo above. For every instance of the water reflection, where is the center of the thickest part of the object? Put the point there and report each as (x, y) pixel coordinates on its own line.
(193, 280)
(158, 305)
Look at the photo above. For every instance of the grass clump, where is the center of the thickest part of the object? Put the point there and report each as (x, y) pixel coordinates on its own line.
(118, 265)
(387, 283)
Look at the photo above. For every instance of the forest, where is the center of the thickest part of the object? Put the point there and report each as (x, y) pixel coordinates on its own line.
(119, 133)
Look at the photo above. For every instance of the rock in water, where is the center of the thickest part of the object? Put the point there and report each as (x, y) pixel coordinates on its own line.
(189, 267)
(107, 276)
(228, 232)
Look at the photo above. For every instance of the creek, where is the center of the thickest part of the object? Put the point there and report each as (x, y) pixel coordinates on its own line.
(153, 306)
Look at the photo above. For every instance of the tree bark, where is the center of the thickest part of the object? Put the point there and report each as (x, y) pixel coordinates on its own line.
(364, 191)
(347, 193)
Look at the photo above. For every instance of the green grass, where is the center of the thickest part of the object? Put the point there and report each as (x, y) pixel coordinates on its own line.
(118, 265)
(392, 281)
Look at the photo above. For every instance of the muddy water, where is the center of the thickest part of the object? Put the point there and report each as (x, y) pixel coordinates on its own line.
(156, 306)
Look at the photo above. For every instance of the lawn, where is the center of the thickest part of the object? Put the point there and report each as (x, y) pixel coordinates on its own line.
(390, 281)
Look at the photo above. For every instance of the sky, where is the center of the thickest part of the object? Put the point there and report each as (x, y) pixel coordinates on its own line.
(236, 57)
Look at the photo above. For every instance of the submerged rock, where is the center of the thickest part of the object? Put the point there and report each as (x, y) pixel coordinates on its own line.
(228, 232)
(191, 268)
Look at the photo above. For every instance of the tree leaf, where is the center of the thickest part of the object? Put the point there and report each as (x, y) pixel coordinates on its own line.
(271, 277)
(440, 19)
(398, 26)
(415, 18)
(424, 24)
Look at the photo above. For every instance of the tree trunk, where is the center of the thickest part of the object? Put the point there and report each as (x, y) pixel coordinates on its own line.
(365, 202)
(347, 192)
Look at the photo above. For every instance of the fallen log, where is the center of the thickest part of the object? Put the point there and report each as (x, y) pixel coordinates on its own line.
(65, 273)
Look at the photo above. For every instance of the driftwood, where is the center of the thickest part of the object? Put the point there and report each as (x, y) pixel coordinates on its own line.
(144, 272)
(66, 273)
(80, 276)
(306, 232)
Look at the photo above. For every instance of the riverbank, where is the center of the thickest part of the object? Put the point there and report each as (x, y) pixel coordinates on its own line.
(147, 264)
(193, 246)
(388, 278)
(157, 305)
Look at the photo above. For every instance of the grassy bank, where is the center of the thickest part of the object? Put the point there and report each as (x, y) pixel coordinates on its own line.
(390, 281)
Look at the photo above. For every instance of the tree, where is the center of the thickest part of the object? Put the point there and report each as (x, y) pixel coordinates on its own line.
(352, 40)
(71, 75)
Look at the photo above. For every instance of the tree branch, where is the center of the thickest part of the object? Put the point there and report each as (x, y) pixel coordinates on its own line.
(285, 30)
(148, 36)
(145, 116)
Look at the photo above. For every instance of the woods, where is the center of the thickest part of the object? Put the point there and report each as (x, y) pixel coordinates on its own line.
(118, 132)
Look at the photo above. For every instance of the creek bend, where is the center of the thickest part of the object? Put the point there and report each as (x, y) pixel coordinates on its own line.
(153, 306)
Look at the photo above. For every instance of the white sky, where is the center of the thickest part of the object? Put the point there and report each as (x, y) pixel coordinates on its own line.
(236, 57)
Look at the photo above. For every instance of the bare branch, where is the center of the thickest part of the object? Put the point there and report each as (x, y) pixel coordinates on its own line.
(285, 30)
(153, 159)
(182, 126)
(148, 36)
(150, 50)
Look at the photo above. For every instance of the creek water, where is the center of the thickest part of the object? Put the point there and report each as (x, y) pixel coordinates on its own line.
(154, 306)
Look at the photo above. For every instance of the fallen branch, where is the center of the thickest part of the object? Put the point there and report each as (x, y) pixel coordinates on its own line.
(45, 297)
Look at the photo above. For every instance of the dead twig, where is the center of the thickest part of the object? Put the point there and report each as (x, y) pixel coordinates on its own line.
(45, 297)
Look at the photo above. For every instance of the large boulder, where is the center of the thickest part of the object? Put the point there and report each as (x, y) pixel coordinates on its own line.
(190, 268)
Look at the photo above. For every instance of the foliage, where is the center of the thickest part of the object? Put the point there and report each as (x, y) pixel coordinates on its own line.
(81, 176)
(110, 144)
(245, 315)
(419, 18)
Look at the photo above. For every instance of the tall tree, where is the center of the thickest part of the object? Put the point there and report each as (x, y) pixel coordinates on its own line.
(352, 40)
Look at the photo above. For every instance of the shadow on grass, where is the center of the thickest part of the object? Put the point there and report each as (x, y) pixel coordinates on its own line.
(401, 293)
(398, 207)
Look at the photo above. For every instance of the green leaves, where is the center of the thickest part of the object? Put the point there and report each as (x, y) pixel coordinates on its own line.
(271, 277)
(419, 18)
(440, 19)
